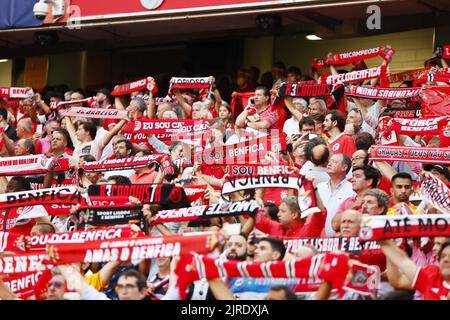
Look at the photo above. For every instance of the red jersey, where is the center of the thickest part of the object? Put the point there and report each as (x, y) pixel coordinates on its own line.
(342, 144)
(309, 229)
(431, 284)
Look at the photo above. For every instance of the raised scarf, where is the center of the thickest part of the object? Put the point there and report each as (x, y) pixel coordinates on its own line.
(382, 93)
(410, 154)
(143, 247)
(235, 208)
(61, 195)
(436, 101)
(356, 76)
(329, 267)
(96, 113)
(31, 165)
(167, 195)
(404, 226)
(125, 164)
(436, 192)
(190, 83)
(138, 85)
(15, 92)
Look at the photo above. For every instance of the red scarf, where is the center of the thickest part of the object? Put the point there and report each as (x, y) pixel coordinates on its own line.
(304, 90)
(144, 247)
(355, 76)
(96, 113)
(354, 56)
(250, 169)
(138, 85)
(62, 195)
(16, 93)
(422, 126)
(31, 165)
(195, 193)
(446, 52)
(89, 102)
(404, 226)
(407, 75)
(22, 263)
(436, 101)
(348, 244)
(431, 78)
(436, 192)
(158, 126)
(233, 184)
(382, 93)
(24, 285)
(329, 267)
(10, 242)
(410, 154)
(190, 83)
(240, 153)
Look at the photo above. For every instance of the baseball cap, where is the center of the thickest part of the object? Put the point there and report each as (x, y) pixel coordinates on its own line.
(442, 169)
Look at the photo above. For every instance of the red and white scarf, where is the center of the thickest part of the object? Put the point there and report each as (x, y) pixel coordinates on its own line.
(190, 83)
(22, 263)
(23, 285)
(62, 195)
(144, 247)
(410, 154)
(16, 93)
(356, 76)
(382, 93)
(255, 150)
(404, 226)
(432, 78)
(347, 244)
(194, 193)
(421, 126)
(304, 90)
(445, 52)
(436, 192)
(233, 184)
(74, 104)
(39, 242)
(250, 169)
(31, 165)
(354, 56)
(96, 113)
(138, 85)
(344, 58)
(409, 75)
(10, 242)
(122, 164)
(329, 267)
(161, 126)
(436, 101)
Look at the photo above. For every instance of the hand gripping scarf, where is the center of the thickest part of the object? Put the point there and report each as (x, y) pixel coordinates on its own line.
(138, 85)
(31, 165)
(329, 267)
(404, 226)
(144, 247)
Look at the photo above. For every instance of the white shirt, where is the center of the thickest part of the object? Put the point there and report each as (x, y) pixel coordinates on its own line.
(319, 174)
(291, 126)
(332, 199)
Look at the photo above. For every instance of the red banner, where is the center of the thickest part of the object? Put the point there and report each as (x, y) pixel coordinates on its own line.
(145, 247)
(138, 85)
(173, 127)
(410, 154)
(436, 101)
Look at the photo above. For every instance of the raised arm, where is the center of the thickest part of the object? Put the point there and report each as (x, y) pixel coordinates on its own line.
(399, 258)
(297, 114)
(184, 105)
(220, 290)
(71, 129)
(115, 130)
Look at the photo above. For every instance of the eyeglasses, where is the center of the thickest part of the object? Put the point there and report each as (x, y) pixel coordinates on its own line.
(120, 287)
(56, 284)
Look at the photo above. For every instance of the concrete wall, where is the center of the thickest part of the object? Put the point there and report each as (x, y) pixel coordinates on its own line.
(65, 69)
(6, 73)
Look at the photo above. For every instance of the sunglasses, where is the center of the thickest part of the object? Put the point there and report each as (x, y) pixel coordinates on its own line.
(56, 284)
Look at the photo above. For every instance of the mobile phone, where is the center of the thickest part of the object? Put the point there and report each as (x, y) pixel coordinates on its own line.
(232, 228)
(39, 128)
(312, 136)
